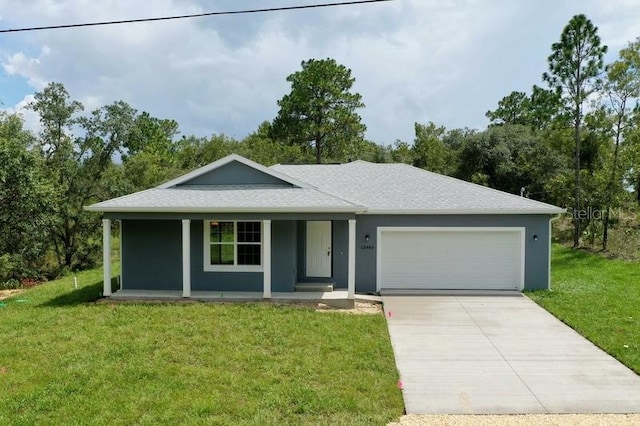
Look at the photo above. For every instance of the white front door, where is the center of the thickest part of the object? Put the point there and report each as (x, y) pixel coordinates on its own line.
(319, 248)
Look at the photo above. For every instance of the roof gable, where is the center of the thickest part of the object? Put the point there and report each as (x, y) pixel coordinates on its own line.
(235, 173)
(234, 170)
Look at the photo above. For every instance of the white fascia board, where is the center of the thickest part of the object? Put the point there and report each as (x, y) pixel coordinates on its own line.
(355, 209)
(550, 211)
(228, 159)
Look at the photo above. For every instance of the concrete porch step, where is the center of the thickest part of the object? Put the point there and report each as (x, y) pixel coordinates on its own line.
(314, 287)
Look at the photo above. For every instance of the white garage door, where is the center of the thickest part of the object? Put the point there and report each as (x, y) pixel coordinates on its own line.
(450, 258)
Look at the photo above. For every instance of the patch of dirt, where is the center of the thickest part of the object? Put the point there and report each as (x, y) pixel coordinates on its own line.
(361, 308)
(28, 282)
(5, 294)
(520, 420)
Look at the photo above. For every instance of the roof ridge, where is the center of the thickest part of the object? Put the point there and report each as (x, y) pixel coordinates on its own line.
(323, 191)
(340, 198)
(314, 164)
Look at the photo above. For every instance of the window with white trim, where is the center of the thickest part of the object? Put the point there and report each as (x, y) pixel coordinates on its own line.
(232, 245)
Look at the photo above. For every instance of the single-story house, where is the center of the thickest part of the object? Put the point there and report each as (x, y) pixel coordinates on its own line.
(237, 226)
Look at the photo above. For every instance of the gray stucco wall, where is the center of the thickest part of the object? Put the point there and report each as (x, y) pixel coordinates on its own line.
(152, 252)
(339, 255)
(152, 255)
(283, 255)
(536, 252)
(236, 173)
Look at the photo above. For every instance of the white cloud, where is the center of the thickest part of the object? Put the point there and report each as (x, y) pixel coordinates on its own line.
(24, 66)
(414, 60)
(31, 119)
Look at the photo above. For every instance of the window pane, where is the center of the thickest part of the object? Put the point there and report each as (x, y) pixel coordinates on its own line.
(215, 254)
(249, 232)
(221, 232)
(248, 254)
(227, 254)
(222, 254)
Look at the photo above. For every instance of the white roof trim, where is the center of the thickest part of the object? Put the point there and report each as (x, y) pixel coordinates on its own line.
(354, 209)
(228, 159)
(476, 211)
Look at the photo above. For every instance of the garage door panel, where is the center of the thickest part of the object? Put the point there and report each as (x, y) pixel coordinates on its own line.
(450, 259)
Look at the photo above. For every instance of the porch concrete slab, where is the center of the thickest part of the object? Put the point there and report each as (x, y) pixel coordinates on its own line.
(500, 355)
(337, 298)
(126, 294)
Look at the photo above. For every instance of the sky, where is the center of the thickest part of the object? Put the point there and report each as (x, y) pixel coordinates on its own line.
(445, 61)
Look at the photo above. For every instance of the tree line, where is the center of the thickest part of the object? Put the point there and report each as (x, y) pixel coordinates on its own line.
(574, 143)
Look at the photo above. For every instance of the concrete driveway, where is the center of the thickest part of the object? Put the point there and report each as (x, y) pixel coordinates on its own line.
(500, 355)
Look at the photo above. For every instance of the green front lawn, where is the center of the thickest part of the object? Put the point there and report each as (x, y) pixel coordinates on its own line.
(599, 298)
(65, 361)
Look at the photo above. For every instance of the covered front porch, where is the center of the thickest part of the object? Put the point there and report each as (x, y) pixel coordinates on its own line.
(175, 250)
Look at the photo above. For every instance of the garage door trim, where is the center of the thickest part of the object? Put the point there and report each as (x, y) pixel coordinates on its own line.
(382, 229)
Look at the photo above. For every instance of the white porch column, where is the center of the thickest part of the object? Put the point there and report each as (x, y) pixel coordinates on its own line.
(266, 261)
(186, 258)
(351, 280)
(121, 255)
(106, 257)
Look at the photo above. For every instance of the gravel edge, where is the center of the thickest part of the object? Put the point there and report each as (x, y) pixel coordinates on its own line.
(519, 420)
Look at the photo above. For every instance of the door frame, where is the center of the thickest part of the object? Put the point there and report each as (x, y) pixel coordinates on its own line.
(306, 250)
(380, 229)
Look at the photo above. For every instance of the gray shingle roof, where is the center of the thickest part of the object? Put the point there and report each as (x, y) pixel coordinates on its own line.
(357, 187)
(400, 188)
(246, 198)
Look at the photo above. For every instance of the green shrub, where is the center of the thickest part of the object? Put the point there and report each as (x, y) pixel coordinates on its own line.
(8, 266)
(10, 284)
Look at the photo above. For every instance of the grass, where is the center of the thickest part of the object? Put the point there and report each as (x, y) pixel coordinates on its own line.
(599, 298)
(64, 360)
